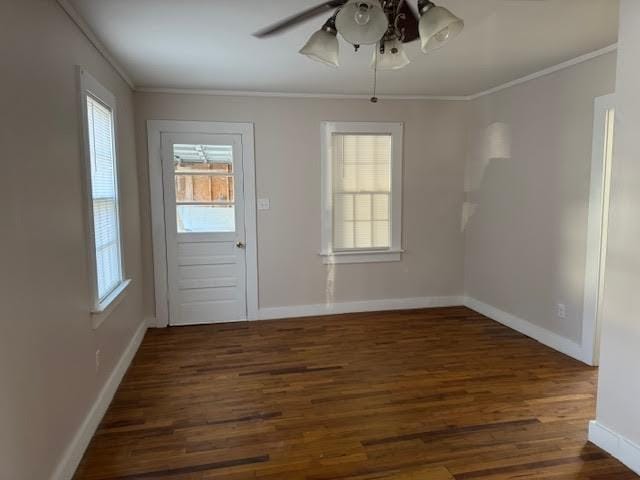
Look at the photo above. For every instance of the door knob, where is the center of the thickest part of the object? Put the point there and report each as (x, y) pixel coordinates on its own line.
(240, 244)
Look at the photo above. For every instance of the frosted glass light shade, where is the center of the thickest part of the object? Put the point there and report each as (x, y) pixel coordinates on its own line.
(393, 58)
(437, 26)
(323, 47)
(359, 26)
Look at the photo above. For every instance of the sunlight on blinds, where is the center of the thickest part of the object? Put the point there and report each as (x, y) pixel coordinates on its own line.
(104, 193)
(361, 191)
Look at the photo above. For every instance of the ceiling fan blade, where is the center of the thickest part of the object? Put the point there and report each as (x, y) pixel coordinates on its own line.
(410, 22)
(303, 16)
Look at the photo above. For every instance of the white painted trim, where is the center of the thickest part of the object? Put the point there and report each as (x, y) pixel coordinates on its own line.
(547, 71)
(155, 129)
(109, 304)
(249, 93)
(75, 450)
(250, 219)
(369, 256)
(327, 131)
(593, 259)
(159, 241)
(273, 313)
(615, 444)
(94, 40)
(542, 335)
(242, 93)
(90, 87)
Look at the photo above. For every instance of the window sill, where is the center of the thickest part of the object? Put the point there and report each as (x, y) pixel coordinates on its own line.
(363, 256)
(105, 308)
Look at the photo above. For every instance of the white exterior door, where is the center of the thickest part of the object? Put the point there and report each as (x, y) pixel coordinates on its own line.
(203, 187)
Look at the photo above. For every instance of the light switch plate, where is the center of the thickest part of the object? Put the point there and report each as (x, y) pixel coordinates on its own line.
(562, 310)
(264, 204)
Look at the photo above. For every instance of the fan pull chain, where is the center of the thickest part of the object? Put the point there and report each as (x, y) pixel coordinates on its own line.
(374, 99)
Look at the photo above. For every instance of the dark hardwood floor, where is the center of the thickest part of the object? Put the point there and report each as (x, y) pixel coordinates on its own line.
(362, 396)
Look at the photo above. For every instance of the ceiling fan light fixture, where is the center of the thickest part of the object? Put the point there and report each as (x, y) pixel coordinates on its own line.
(323, 45)
(437, 25)
(394, 56)
(362, 22)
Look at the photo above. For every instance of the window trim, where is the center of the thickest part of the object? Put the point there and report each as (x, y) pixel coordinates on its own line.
(394, 252)
(100, 309)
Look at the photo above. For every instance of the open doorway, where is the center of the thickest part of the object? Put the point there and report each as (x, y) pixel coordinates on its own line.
(602, 158)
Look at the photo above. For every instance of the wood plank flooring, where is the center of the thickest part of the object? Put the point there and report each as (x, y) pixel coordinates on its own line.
(361, 396)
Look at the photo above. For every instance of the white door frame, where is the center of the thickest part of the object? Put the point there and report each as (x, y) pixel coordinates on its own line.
(590, 327)
(155, 129)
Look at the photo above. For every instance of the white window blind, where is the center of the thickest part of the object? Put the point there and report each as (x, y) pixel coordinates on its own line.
(361, 191)
(104, 195)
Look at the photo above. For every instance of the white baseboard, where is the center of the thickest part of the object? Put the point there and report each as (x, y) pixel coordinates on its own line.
(542, 335)
(615, 444)
(74, 452)
(272, 313)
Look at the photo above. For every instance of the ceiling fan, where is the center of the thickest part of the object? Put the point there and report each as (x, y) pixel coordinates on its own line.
(388, 24)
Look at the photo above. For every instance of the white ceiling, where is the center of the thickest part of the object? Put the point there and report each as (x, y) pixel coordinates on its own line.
(207, 44)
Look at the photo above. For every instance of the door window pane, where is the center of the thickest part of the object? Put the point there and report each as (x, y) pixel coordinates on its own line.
(203, 158)
(204, 168)
(204, 189)
(204, 177)
(205, 218)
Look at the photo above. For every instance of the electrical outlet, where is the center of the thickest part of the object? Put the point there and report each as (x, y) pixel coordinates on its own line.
(562, 310)
(97, 360)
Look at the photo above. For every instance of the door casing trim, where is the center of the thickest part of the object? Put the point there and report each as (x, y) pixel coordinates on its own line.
(155, 129)
(591, 307)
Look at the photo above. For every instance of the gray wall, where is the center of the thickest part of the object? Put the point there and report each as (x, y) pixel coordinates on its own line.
(48, 377)
(527, 194)
(619, 384)
(287, 143)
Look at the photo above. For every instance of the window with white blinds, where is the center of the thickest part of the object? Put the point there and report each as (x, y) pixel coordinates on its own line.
(102, 180)
(361, 191)
(362, 170)
(104, 195)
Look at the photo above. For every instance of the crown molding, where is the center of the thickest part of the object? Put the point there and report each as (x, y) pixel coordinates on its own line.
(91, 36)
(504, 86)
(547, 71)
(73, 14)
(246, 93)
